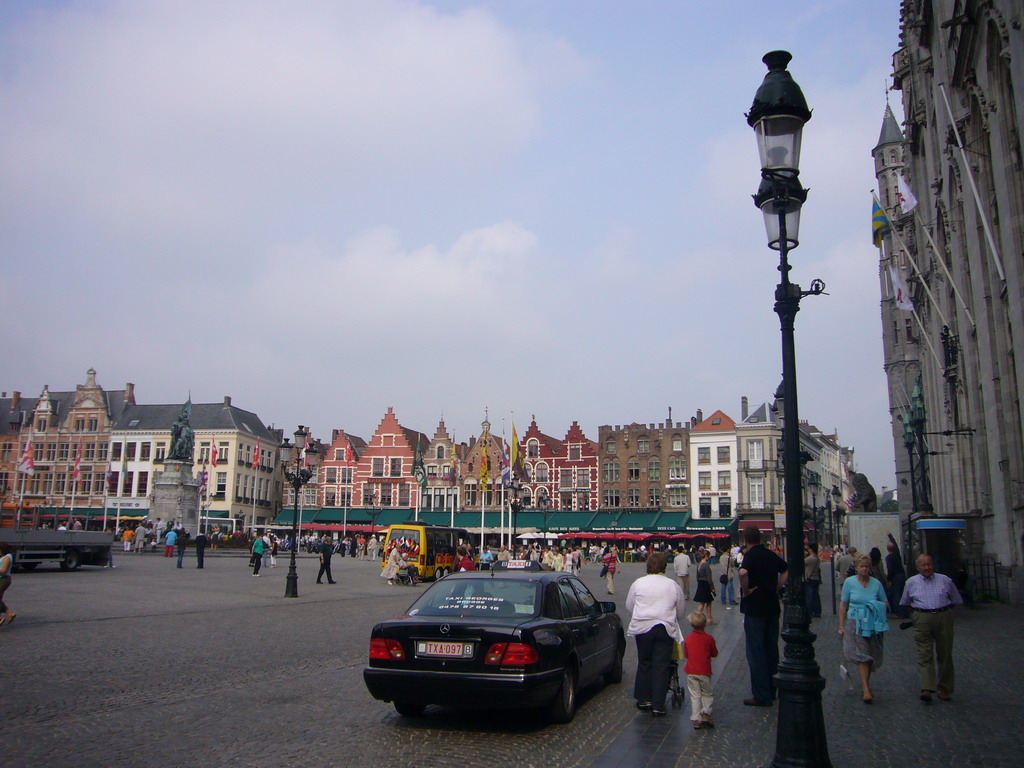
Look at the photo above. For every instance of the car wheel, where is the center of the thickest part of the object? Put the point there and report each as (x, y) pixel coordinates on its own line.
(439, 574)
(614, 674)
(408, 709)
(563, 706)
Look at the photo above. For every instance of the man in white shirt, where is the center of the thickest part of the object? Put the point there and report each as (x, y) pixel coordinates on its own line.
(681, 565)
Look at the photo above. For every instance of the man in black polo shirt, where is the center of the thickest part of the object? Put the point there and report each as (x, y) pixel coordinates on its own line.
(761, 577)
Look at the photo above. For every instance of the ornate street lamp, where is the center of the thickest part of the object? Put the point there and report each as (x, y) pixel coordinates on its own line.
(918, 417)
(297, 477)
(777, 116)
(814, 484)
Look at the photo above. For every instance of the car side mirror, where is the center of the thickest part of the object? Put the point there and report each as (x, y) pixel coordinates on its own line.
(607, 606)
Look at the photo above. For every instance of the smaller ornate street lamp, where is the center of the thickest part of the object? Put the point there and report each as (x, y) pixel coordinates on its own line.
(297, 477)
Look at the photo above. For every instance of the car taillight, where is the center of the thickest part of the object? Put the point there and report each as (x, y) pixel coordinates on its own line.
(382, 648)
(511, 654)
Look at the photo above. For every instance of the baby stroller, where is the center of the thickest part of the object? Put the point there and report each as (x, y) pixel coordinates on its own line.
(675, 689)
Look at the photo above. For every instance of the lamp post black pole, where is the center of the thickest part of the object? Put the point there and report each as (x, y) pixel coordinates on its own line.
(777, 116)
(297, 479)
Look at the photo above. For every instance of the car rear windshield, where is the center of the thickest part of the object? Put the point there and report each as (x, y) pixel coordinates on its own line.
(479, 598)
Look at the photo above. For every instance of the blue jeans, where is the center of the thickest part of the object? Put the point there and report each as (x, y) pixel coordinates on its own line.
(181, 555)
(813, 598)
(762, 639)
(729, 592)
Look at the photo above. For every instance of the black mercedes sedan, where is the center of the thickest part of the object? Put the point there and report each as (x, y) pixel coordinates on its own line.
(515, 637)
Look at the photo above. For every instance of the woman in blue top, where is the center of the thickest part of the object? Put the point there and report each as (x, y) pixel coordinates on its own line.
(863, 618)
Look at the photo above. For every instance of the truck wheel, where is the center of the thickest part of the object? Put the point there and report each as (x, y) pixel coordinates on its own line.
(71, 560)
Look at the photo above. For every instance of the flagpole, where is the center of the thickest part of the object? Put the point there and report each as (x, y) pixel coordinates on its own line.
(942, 263)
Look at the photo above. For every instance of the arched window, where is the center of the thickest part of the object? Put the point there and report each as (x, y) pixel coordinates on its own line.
(532, 448)
(440, 451)
(542, 473)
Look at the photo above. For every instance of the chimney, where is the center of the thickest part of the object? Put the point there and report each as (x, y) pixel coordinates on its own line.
(227, 401)
(129, 393)
(700, 415)
(15, 399)
(744, 408)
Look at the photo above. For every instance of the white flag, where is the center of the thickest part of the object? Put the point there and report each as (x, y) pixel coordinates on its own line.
(904, 195)
(899, 291)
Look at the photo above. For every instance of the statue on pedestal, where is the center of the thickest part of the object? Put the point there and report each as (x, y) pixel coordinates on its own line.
(182, 436)
(864, 497)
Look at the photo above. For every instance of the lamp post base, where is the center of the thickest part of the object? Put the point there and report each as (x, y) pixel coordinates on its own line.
(800, 735)
(291, 584)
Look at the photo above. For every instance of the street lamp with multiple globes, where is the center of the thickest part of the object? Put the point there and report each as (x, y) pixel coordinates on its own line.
(297, 477)
(777, 116)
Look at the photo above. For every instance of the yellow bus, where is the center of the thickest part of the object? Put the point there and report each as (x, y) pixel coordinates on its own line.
(431, 548)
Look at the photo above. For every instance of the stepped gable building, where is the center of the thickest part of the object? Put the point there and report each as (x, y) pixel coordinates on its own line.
(61, 426)
(441, 465)
(337, 469)
(576, 472)
(759, 491)
(644, 471)
(960, 69)
(541, 453)
(383, 480)
(243, 485)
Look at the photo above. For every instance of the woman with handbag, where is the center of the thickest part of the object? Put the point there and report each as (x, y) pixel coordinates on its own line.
(728, 579)
(705, 594)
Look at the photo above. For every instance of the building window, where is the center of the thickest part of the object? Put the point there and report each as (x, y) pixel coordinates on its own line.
(331, 475)
(609, 447)
(101, 452)
(583, 478)
(611, 471)
(677, 443)
(633, 470)
(204, 453)
(755, 454)
(330, 499)
(79, 424)
(677, 497)
(385, 495)
(62, 452)
(432, 471)
(724, 454)
(677, 469)
(403, 495)
(126, 484)
(93, 424)
(643, 445)
(611, 497)
(704, 455)
(378, 468)
(346, 475)
(654, 470)
(565, 480)
(142, 487)
(724, 481)
(633, 497)
(542, 473)
(396, 467)
(705, 508)
(368, 497)
(161, 451)
(115, 451)
(725, 507)
(345, 498)
(144, 450)
(575, 453)
(41, 425)
(532, 448)
(654, 497)
(704, 481)
(90, 451)
(129, 451)
(756, 488)
(440, 453)
(222, 483)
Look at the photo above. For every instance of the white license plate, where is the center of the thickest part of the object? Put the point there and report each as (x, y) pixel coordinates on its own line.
(444, 648)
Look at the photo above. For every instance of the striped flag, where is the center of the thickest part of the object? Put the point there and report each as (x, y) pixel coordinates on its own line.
(27, 465)
(78, 464)
(204, 480)
(485, 468)
(878, 222)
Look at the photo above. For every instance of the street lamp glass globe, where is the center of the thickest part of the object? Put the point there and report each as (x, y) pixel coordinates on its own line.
(778, 141)
(770, 211)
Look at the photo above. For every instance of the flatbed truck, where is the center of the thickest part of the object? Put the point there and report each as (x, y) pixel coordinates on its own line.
(69, 549)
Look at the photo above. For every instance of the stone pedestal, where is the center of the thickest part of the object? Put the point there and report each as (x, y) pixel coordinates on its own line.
(176, 496)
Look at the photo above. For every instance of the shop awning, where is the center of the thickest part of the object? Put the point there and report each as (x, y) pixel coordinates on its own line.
(569, 521)
(287, 516)
(765, 526)
(671, 522)
(709, 526)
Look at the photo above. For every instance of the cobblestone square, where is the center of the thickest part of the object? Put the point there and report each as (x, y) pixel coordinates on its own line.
(147, 664)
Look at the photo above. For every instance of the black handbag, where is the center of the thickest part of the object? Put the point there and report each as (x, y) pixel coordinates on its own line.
(723, 579)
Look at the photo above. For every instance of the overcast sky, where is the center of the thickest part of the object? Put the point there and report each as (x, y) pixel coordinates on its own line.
(542, 207)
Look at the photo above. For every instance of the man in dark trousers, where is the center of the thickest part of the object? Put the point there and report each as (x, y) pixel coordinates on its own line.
(761, 577)
(200, 548)
(326, 550)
